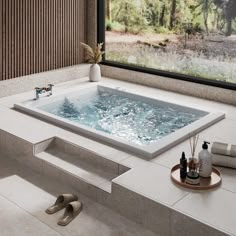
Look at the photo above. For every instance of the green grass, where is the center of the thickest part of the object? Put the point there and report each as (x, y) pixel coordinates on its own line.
(114, 26)
(195, 66)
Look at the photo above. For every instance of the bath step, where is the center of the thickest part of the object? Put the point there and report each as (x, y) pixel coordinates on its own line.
(80, 163)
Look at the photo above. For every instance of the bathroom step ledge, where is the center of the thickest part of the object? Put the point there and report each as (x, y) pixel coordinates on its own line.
(79, 163)
(102, 181)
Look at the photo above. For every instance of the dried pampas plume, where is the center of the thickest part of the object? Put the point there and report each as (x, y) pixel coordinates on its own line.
(93, 56)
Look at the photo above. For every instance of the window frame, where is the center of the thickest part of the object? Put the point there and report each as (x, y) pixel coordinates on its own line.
(198, 80)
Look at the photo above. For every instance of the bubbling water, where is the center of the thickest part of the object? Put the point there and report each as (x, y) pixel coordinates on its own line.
(135, 121)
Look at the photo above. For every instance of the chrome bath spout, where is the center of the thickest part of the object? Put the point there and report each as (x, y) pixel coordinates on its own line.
(42, 90)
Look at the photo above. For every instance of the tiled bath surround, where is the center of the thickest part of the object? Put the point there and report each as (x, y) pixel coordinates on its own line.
(158, 217)
(206, 117)
(145, 193)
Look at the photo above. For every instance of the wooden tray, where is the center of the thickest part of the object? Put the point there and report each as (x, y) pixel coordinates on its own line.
(205, 183)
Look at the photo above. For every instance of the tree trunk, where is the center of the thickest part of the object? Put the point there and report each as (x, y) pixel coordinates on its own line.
(229, 27)
(108, 10)
(126, 20)
(172, 14)
(215, 19)
(162, 16)
(205, 14)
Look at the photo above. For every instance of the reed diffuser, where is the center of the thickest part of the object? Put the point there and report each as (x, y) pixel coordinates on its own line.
(192, 175)
(193, 144)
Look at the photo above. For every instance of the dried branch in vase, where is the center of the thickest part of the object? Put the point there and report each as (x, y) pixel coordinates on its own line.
(93, 56)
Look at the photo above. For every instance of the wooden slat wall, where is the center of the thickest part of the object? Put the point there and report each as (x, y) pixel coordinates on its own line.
(39, 35)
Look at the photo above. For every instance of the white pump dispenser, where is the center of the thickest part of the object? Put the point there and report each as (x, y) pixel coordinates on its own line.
(205, 161)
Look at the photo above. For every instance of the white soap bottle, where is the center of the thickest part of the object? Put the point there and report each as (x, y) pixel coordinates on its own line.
(205, 161)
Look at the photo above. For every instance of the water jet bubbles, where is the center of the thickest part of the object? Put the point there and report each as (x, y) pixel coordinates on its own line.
(133, 121)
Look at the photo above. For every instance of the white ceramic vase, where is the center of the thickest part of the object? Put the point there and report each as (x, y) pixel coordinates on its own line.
(94, 73)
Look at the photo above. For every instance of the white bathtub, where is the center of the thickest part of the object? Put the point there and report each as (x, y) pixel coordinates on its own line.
(149, 151)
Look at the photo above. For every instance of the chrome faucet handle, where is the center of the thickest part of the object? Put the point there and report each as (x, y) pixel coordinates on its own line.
(37, 92)
(50, 89)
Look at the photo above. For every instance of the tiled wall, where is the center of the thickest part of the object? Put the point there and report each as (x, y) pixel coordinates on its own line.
(38, 36)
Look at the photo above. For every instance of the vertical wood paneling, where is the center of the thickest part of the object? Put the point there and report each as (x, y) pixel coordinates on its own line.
(80, 28)
(4, 37)
(7, 51)
(37, 36)
(1, 39)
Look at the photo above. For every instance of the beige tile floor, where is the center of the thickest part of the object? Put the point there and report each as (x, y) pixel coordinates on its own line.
(148, 178)
(25, 195)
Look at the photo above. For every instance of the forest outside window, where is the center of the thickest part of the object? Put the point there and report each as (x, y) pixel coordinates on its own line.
(195, 38)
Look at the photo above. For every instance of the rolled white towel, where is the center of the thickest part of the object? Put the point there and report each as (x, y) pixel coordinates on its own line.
(224, 149)
(226, 161)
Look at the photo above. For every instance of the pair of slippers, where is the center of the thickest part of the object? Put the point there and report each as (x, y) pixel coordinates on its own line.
(72, 208)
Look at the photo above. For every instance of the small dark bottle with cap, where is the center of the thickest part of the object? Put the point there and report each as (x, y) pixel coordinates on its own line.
(183, 166)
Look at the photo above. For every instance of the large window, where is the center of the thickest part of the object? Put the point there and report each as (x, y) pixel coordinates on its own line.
(194, 39)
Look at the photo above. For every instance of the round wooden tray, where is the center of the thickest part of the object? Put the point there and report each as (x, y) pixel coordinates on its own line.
(205, 183)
